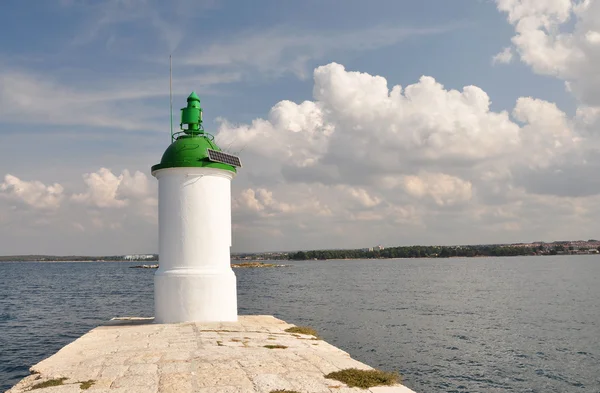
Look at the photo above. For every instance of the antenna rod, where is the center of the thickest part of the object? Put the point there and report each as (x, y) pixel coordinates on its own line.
(171, 95)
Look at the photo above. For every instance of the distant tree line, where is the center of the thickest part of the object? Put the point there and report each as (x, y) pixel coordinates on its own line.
(416, 252)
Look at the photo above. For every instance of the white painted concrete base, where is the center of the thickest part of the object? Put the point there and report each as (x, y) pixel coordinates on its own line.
(179, 295)
(194, 281)
(137, 355)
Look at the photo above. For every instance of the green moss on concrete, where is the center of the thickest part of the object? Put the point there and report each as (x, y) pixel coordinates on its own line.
(284, 391)
(49, 383)
(303, 330)
(277, 346)
(365, 378)
(85, 385)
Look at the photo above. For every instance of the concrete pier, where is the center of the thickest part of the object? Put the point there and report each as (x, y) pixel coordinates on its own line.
(254, 354)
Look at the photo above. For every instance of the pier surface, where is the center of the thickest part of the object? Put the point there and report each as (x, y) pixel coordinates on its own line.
(135, 355)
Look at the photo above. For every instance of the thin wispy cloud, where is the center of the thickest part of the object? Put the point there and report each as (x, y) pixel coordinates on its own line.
(280, 50)
(102, 103)
(166, 23)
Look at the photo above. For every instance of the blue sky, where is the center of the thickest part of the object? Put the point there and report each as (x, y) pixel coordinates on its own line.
(84, 86)
(86, 43)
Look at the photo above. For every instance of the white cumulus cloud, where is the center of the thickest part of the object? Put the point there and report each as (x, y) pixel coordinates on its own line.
(503, 57)
(444, 189)
(99, 220)
(418, 160)
(358, 129)
(107, 190)
(34, 194)
(559, 38)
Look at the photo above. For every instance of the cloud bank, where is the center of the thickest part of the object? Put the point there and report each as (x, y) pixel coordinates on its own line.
(365, 163)
(113, 209)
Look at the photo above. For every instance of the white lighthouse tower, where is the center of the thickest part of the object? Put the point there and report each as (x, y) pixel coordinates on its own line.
(194, 281)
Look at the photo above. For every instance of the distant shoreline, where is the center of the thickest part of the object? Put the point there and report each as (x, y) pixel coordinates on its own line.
(66, 261)
(236, 262)
(563, 247)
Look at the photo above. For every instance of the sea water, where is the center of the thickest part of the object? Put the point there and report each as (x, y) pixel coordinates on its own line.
(521, 324)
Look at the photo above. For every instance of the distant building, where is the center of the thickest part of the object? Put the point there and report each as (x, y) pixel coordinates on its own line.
(137, 257)
(371, 249)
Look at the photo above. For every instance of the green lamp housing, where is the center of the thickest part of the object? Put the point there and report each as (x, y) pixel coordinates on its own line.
(192, 116)
(191, 147)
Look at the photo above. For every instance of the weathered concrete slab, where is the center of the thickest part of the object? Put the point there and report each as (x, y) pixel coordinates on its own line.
(135, 355)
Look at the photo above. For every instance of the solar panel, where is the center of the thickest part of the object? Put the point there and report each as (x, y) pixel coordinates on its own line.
(224, 158)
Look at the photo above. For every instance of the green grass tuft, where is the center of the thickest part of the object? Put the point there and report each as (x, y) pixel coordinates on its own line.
(364, 378)
(275, 346)
(49, 383)
(85, 385)
(303, 330)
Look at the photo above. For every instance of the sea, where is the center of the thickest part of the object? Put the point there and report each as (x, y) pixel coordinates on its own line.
(513, 324)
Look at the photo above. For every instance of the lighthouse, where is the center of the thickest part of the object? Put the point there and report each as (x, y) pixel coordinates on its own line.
(194, 281)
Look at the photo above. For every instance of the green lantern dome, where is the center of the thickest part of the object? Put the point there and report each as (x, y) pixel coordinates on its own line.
(192, 147)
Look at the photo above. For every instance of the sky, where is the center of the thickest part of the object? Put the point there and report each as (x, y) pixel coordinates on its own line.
(358, 123)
